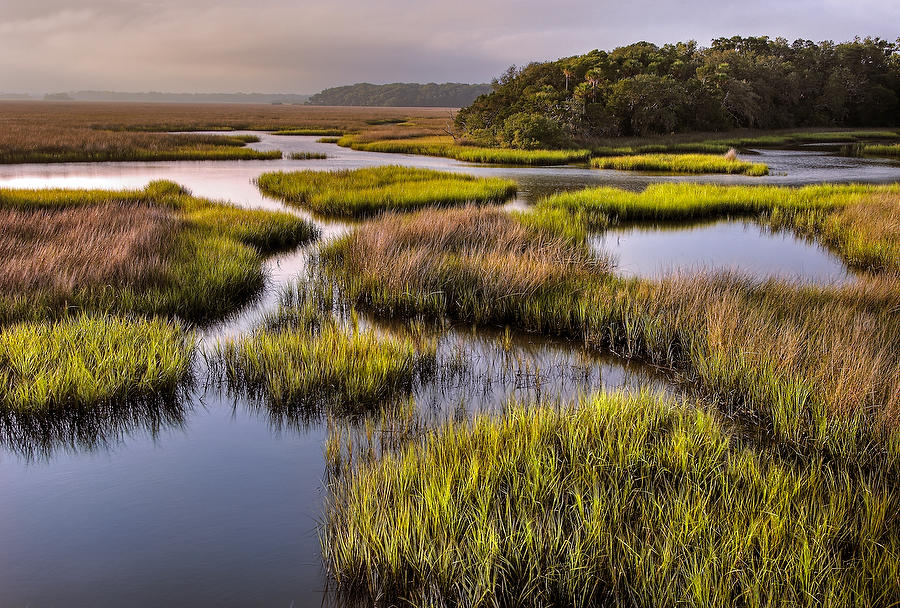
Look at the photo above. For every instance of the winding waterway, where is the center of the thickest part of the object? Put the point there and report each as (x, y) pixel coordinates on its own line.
(215, 501)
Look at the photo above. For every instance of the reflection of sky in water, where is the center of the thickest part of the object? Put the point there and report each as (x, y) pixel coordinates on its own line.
(734, 246)
(220, 505)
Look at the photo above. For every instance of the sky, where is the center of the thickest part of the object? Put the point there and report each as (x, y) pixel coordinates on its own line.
(297, 46)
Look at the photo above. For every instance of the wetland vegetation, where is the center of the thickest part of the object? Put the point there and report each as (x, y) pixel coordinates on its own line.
(366, 192)
(681, 163)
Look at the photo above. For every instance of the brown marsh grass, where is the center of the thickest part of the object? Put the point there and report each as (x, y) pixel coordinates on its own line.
(88, 246)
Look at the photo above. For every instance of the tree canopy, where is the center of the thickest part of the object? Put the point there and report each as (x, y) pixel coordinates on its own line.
(644, 89)
(401, 94)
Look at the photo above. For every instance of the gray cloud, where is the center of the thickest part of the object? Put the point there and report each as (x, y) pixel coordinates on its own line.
(301, 46)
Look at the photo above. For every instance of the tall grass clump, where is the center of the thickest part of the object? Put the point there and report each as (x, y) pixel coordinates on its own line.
(308, 156)
(620, 500)
(311, 131)
(302, 356)
(153, 251)
(366, 192)
(681, 163)
(90, 360)
(445, 147)
(882, 150)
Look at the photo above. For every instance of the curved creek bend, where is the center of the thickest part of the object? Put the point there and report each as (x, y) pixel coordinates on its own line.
(215, 500)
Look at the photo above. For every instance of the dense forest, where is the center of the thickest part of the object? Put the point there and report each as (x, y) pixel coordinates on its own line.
(643, 89)
(401, 94)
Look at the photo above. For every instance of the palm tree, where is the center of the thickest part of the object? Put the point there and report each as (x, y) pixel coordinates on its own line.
(568, 74)
(593, 80)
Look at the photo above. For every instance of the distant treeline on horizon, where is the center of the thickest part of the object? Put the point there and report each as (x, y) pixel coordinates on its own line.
(644, 89)
(398, 94)
(159, 97)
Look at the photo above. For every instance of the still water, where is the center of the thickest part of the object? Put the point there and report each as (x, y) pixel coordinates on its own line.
(212, 500)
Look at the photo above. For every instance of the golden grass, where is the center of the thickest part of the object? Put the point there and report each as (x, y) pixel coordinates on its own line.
(89, 246)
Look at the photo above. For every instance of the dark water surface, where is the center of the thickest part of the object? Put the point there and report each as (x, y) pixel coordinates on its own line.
(213, 501)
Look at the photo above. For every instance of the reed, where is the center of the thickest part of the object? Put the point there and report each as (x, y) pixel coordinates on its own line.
(308, 156)
(311, 131)
(444, 146)
(157, 251)
(366, 192)
(303, 357)
(681, 163)
(89, 361)
(616, 500)
(889, 150)
(815, 367)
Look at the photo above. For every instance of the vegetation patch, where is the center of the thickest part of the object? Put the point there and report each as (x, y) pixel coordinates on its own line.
(90, 360)
(445, 147)
(890, 150)
(681, 163)
(625, 500)
(303, 357)
(153, 251)
(328, 140)
(816, 367)
(365, 192)
(308, 156)
(311, 131)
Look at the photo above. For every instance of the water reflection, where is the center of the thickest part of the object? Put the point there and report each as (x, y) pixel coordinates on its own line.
(42, 435)
(745, 247)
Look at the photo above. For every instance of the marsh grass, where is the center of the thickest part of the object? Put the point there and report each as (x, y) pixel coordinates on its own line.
(304, 357)
(153, 251)
(366, 192)
(815, 367)
(311, 131)
(90, 360)
(308, 156)
(889, 150)
(328, 140)
(620, 500)
(681, 163)
(445, 147)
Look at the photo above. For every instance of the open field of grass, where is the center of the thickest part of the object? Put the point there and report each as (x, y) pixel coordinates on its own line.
(444, 146)
(89, 361)
(681, 163)
(366, 192)
(302, 357)
(622, 500)
(37, 132)
(154, 251)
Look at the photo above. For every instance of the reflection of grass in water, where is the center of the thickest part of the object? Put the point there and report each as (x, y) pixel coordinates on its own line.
(88, 361)
(38, 435)
(365, 192)
(632, 500)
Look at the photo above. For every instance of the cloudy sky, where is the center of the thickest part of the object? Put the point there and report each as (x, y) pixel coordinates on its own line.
(298, 46)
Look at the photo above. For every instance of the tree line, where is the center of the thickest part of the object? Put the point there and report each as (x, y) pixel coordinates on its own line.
(401, 94)
(643, 89)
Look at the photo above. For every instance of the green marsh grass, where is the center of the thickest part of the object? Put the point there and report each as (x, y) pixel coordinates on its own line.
(302, 356)
(816, 367)
(889, 150)
(209, 262)
(90, 360)
(366, 192)
(681, 163)
(328, 140)
(444, 146)
(308, 156)
(618, 500)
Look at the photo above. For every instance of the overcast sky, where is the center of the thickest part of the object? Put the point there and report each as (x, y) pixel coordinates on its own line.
(297, 46)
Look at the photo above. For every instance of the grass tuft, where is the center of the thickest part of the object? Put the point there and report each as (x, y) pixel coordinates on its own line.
(681, 163)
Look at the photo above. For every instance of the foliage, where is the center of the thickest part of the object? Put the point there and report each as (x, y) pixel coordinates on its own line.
(365, 192)
(644, 89)
(400, 94)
